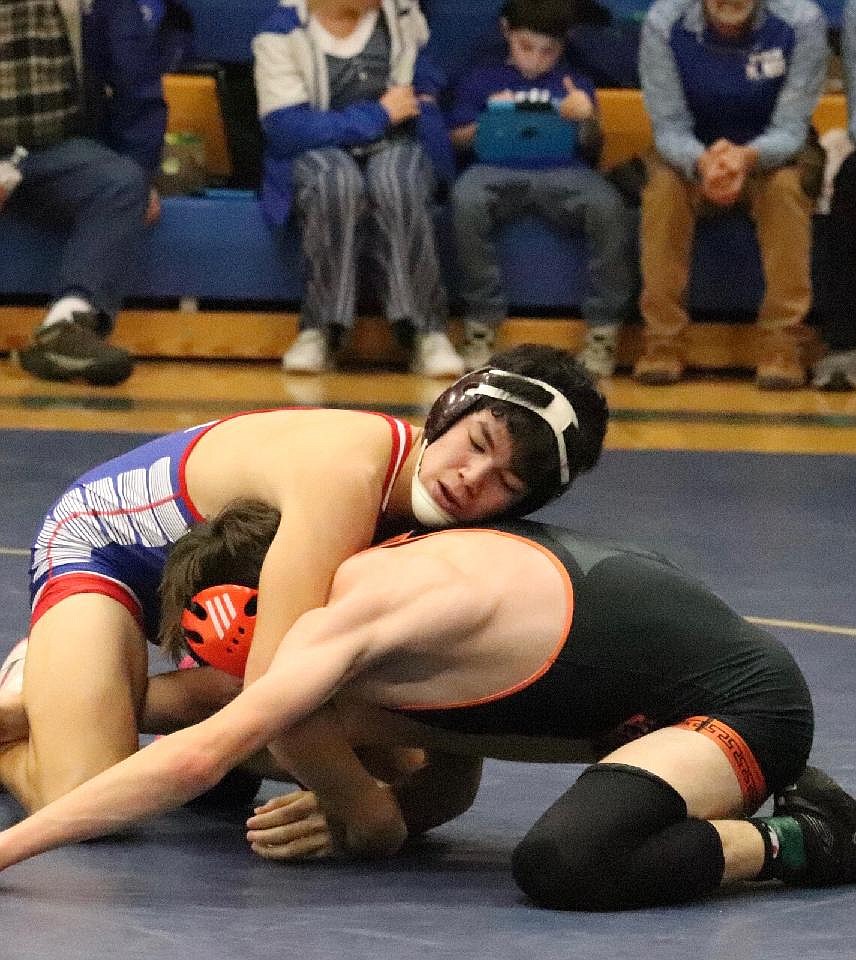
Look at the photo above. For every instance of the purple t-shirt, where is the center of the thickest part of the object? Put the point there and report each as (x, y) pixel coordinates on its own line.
(473, 91)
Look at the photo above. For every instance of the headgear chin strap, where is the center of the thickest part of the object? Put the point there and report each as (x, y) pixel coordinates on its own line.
(218, 625)
(425, 509)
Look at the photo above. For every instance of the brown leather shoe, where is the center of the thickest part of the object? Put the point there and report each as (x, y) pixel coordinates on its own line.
(661, 363)
(780, 365)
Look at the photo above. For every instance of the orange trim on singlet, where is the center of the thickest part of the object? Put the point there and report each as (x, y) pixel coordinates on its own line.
(402, 441)
(70, 584)
(742, 760)
(566, 626)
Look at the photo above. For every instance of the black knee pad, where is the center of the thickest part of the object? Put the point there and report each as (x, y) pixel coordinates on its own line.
(618, 838)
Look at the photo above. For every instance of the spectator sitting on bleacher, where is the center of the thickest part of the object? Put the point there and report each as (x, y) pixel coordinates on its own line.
(81, 110)
(837, 308)
(354, 142)
(552, 176)
(730, 86)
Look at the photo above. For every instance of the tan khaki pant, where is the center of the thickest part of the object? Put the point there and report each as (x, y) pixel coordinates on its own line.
(671, 206)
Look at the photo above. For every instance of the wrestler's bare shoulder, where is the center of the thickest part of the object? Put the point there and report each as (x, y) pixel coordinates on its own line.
(246, 455)
(459, 556)
(451, 622)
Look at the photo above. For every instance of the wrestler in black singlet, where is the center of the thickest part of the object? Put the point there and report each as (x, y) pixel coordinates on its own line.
(651, 643)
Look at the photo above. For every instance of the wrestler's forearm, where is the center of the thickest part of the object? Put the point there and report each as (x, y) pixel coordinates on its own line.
(156, 779)
(181, 698)
(321, 760)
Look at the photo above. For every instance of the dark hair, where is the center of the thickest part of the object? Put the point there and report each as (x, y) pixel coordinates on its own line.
(553, 18)
(535, 457)
(228, 548)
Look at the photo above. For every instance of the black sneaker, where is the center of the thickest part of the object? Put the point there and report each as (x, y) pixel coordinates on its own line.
(73, 349)
(826, 814)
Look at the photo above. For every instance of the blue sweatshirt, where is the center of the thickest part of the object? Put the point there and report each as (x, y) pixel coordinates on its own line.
(480, 84)
(758, 90)
(126, 46)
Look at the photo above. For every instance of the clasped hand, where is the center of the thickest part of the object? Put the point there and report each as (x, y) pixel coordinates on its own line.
(722, 170)
(296, 827)
(401, 103)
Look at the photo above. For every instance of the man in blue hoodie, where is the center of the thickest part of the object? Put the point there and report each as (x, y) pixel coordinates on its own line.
(82, 111)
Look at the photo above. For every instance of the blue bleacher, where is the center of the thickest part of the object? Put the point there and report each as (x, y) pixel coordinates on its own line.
(218, 247)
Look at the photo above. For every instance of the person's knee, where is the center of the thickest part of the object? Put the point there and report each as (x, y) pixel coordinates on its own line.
(331, 179)
(126, 184)
(471, 202)
(784, 186)
(575, 856)
(395, 189)
(666, 199)
(608, 218)
(347, 182)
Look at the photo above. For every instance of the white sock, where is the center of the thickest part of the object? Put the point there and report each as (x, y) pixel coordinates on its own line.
(64, 308)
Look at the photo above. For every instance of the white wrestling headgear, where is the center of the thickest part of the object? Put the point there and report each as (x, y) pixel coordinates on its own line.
(541, 398)
(557, 412)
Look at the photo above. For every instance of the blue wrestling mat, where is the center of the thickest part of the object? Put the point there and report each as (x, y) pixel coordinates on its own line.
(774, 535)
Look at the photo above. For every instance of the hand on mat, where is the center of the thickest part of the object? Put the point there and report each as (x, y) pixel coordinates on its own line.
(291, 827)
(295, 827)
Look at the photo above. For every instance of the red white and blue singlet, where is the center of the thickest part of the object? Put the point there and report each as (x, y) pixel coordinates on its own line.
(111, 531)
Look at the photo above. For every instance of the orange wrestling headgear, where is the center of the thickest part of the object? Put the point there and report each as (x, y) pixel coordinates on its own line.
(218, 624)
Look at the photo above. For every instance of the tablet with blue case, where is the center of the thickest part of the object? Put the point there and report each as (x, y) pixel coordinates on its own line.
(524, 134)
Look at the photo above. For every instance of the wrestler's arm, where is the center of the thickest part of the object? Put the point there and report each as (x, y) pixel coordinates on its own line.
(425, 602)
(329, 508)
(407, 600)
(179, 698)
(321, 650)
(294, 826)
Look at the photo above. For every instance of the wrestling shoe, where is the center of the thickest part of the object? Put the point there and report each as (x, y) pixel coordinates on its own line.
(12, 668)
(74, 349)
(826, 815)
